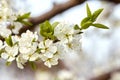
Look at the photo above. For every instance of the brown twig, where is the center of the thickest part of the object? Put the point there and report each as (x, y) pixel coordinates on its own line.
(58, 8)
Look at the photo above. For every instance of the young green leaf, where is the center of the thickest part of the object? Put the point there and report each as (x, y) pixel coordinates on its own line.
(88, 11)
(86, 19)
(48, 26)
(86, 25)
(76, 27)
(100, 26)
(46, 30)
(96, 14)
(27, 23)
(24, 16)
(55, 24)
(9, 41)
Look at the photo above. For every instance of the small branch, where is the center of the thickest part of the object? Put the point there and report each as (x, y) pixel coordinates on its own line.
(58, 8)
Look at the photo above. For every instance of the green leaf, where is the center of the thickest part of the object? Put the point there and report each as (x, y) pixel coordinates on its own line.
(86, 25)
(88, 11)
(9, 41)
(100, 26)
(86, 19)
(46, 26)
(33, 65)
(76, 27)
(8, 63)
(24, 16)
(27, 23)
(21, 19)
(55, 24)
(96, 14)
(46, 30)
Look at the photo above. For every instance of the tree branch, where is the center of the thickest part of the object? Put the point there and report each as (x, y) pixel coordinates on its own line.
(58, 8)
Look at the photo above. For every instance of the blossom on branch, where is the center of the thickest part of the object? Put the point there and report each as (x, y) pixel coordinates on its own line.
(64, 32)
(59, 38)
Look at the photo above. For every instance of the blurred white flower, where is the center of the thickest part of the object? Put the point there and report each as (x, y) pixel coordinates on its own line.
(66, 75)
(47, 48)
(61, 50)
(10, 53)
(64, 32)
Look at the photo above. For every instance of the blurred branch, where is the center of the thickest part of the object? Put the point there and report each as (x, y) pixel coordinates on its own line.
(106, 76)
(58, 8)
(114, 1)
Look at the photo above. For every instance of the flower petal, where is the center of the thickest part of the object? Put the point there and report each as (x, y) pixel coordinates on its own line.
(34, 57)
(10, 59)
(4, 55)
(48, 43)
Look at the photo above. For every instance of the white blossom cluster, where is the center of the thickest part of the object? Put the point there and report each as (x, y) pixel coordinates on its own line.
(8, 17)
(59, 38)
(28, 48)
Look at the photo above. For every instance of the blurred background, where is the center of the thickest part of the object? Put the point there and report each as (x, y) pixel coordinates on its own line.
(99, 58)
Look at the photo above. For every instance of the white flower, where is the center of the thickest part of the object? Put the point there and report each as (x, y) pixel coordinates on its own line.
(29, 36)
(27, 39)
(34, 57)
(30, 48)
(49, 61)
(28, 53)
(64, 32)
(15, 39)
(28, 45)
(47, 48)
(4, 32)
(27, 42)
(61, 50)
(10, 53)
(20, 62)
(74, 45)
(17, 27)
